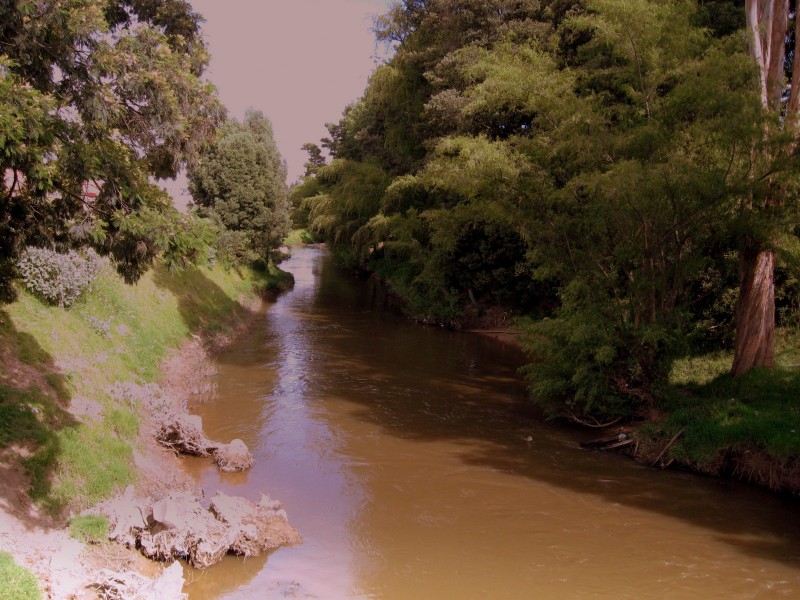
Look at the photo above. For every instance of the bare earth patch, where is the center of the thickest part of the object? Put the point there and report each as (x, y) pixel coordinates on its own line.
(67, 568)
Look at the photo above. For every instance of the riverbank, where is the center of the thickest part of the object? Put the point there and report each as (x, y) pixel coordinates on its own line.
(745, 428)
(74, 404)
(708, 422)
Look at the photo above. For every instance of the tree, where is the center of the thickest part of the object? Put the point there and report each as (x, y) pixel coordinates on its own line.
(241, 181)
(109, 92)
(616, 152)
(773, 40)
(315, 159)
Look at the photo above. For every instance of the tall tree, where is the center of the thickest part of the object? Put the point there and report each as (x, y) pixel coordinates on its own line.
(773, 37)
(315, 159)
(109, 91)
(241, 181)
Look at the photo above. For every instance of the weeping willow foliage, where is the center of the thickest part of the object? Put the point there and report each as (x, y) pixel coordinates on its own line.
(353, 191)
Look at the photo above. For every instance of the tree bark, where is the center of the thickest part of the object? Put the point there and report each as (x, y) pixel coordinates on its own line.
(767, 22)
(755, 312)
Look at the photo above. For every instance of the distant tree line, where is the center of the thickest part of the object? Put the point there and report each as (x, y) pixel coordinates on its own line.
(623, 172)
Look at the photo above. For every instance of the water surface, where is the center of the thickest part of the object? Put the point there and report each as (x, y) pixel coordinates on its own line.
(402, 455)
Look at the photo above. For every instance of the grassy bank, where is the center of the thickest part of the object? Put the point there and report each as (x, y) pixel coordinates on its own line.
(748, 427)
(297, 237)
(58, 411)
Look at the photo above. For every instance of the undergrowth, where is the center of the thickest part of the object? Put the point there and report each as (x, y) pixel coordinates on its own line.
(271, 279)
(297, 237)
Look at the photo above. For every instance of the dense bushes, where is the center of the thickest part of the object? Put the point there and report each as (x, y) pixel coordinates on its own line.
(57, 277)
(607, 165)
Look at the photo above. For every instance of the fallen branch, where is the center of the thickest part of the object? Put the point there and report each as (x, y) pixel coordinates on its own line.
(609, 443)
(595, 424)
(620, 444)
(667, 447)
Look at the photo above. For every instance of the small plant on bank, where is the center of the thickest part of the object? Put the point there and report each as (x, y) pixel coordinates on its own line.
(89, 529)
(59, 278)
(101, 327)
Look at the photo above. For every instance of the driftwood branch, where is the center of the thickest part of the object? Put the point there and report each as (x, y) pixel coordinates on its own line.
(594, 423)
(667, 447)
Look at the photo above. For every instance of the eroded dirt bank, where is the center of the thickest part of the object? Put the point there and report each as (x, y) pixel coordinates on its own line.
(66, 567)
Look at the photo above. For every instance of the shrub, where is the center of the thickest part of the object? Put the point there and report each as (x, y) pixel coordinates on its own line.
(231, 248)
(591, 364)
(101, 327)
(59, 278)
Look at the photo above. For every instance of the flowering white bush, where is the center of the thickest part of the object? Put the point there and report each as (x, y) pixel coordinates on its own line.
(59, 278)
(101, 327)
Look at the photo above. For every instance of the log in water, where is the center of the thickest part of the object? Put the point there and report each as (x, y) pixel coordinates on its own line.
(409, 462)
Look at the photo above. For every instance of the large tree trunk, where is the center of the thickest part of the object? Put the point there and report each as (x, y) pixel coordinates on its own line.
(768, 23)
(755, 312)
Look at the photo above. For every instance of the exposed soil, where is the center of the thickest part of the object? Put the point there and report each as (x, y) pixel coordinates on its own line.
(66, 567)
(753, 466)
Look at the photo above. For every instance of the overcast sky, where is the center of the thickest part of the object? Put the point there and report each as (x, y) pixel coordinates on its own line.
(299, 61)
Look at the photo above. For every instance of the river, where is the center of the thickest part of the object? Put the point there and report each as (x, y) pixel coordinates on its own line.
(408, 459)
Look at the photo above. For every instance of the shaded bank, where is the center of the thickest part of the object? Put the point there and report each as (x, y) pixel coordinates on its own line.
(706, 421)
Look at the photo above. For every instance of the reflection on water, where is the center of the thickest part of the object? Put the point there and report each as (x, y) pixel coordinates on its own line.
(400, 453)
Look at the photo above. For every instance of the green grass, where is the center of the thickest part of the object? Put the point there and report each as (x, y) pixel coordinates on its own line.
(272, 279)
(115, 332)
(717, 412)
(297, 237)
(16, 583)
(91, 529)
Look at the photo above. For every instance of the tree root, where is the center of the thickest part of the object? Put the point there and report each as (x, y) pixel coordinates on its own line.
(183, 433)
(594, 423)
(115, 585)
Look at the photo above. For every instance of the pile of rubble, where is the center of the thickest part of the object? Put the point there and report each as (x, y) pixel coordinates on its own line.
(180, 526)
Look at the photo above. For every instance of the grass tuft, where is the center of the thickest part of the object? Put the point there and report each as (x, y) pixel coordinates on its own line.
(16, 583)
(89, 529)
(298, 237)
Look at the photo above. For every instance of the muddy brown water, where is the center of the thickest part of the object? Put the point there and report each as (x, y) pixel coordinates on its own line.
(402, 455)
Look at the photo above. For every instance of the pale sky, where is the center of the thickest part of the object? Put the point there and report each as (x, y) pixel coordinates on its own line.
(298, 61)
